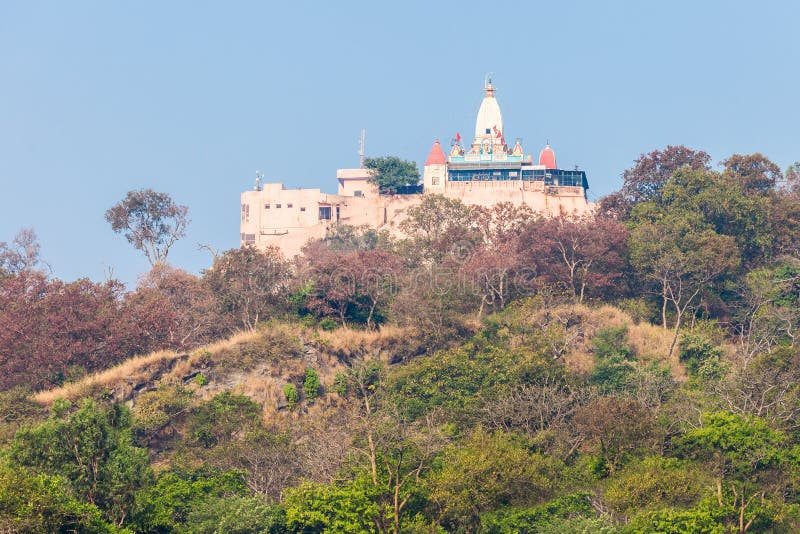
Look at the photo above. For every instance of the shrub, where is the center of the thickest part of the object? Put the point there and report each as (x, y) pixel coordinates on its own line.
(610, 342)
(340, 383)
(671, 521)
(220, 419)
(200, 379)
(311, 385)
(652, 484)
(612, 374)
(290, 392)
(328, 324)
(696, 350)
(612, 353)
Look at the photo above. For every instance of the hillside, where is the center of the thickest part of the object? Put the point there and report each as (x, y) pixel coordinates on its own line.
(494, 372)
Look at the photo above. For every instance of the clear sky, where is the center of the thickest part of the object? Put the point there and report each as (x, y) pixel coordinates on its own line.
(191, 98)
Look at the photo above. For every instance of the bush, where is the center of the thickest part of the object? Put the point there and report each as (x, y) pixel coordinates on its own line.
(569, 513)
(675, 522)
(221, 419)
(311, 385)
(237, 515)
(292, 397)
(200, 379)
(340, 383)
(612, 374)
(696, 350)
(166, 505)
(651, 484)
(328, 324)
(610, 342)
(612, 369)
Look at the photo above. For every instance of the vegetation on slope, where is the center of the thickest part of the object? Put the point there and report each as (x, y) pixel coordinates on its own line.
(493, 373)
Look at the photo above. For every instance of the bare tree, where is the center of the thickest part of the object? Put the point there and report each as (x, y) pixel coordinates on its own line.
(22, 254)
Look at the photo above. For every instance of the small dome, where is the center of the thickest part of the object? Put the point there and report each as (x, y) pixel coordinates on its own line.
(547, 157)
(436, 157)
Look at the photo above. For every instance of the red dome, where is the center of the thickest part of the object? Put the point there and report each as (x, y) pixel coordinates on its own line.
(547, 158)
(436, 157)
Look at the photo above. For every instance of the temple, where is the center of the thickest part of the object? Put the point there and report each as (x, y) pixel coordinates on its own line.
(484, 173)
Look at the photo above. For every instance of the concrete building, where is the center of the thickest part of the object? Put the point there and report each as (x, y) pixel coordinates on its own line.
(484, 174)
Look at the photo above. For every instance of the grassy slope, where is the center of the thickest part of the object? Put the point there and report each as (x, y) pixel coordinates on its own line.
(259, 363)
(256, 363)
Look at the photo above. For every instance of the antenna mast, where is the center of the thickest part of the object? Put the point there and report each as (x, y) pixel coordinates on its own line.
(361, 142)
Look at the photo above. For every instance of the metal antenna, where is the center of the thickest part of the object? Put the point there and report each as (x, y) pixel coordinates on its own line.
(257, 186)
(361, 142)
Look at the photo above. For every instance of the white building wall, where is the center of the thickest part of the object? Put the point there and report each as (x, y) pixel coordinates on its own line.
(293, 215)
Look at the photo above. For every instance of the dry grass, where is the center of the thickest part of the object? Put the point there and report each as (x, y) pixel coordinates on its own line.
(127, 370)
(140, 368)
(649, 342)
(390, 344)
(350, 341)
(278, 365)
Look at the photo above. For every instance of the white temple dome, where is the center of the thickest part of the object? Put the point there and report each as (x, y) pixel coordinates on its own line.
(490, 121)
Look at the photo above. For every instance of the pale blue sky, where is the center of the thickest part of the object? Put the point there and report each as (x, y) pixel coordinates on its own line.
(191, 98)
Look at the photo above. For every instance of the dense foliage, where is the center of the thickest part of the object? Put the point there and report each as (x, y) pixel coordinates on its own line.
(491, 372)
(391, 173)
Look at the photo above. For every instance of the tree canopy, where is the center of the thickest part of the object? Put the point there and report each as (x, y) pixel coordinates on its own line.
(390, 173)
(150, 221)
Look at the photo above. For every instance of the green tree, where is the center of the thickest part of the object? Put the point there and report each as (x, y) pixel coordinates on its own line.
(150, 221)
(348, 238)
(236, 515)
(669, 521)
(644, 181)
(613, 359)
(395, 450)
(571, 513)
(696, 351)
(744, 455)
(390, 173)
(489, 471)
(654, 483)
(334, 508)
(43, 504)
(165, 506)
(94, 450)
(292, 397)
(682, 258)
